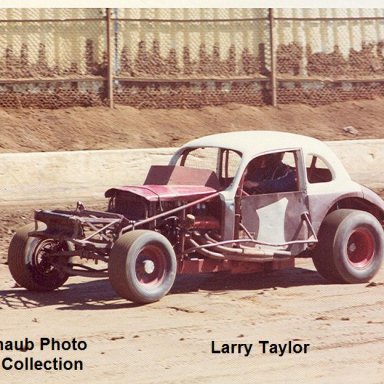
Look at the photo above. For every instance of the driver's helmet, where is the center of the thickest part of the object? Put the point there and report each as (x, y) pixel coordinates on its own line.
(273, 159)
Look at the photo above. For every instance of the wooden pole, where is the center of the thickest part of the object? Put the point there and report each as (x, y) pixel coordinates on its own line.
(273, 77)
(109, 58)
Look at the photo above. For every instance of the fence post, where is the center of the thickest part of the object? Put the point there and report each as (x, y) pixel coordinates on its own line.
(273, 79)
(109, 58)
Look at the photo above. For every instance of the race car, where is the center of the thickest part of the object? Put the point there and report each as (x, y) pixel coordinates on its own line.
(196, 215)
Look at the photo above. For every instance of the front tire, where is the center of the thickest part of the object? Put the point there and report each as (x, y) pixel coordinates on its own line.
(29, 261)
(351, 247)
(142, 266)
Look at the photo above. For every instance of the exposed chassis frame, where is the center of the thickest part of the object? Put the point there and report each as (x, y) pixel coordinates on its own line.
(91, 235)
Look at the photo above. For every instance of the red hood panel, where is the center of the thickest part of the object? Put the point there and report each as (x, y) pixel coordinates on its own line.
(165, 192)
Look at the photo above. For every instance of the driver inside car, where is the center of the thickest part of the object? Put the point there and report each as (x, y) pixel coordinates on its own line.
(268, 174)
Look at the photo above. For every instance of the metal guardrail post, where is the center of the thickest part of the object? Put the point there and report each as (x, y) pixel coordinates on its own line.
(273, 78)
(109, 58)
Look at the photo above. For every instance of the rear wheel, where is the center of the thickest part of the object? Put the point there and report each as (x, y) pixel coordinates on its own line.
(30, 261)
(142, 266)
(351, 247)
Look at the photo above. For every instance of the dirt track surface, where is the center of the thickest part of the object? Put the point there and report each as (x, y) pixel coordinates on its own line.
(170, 341)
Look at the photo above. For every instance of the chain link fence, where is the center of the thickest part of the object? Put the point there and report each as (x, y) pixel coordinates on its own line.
(328, 55)
(188, 58)
(191, 57)
(52, 57)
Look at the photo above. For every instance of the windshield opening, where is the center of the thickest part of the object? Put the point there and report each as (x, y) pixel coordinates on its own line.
(223, 161)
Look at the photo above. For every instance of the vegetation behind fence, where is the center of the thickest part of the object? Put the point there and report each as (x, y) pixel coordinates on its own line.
(165, 58)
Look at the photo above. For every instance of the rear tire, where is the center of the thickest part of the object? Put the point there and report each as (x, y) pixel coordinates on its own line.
(29, 264)
(142, 266)
(351, 247)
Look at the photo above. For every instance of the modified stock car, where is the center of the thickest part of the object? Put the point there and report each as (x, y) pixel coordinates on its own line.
(196, 215)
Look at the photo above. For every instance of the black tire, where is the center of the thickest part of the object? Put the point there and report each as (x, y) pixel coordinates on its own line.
(142, 266)
(29, 266)
(351, 247)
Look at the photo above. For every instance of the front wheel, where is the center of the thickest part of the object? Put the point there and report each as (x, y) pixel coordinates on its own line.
(142, 266)
(351, 247)
(29, 261)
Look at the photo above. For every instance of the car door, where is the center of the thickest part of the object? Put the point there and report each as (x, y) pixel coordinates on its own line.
(278, 219)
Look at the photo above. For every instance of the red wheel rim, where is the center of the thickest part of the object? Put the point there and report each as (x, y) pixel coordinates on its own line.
(151, 266)
(361, 247)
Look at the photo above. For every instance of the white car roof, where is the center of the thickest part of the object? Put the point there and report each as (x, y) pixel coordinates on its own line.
(254, 143)
(250, 143)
